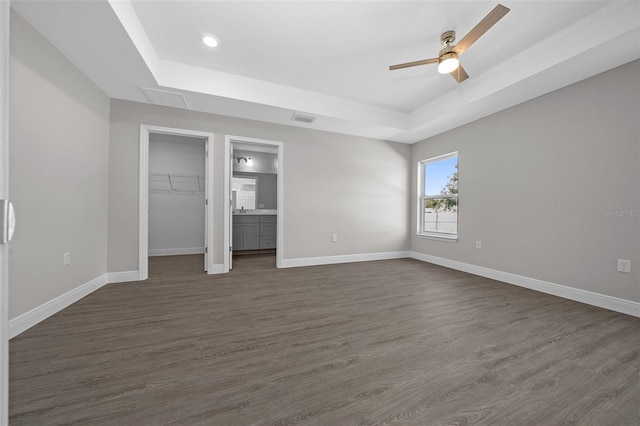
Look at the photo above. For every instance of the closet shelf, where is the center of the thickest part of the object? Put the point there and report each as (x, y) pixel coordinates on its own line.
(174, 183)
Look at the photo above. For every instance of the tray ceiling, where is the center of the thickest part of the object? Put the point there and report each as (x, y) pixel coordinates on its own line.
(330, 60)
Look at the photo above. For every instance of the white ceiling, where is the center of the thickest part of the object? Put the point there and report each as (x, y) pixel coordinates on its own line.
(330, 59)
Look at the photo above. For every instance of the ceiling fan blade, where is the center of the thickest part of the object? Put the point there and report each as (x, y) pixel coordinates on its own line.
(459, 74)
(483, 26)
(414, 64)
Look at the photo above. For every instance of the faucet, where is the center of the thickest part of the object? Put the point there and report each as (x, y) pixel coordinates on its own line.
(242, 209)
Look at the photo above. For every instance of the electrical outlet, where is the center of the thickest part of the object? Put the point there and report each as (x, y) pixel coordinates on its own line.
(334, 238)
(624, 266)
(479, 245)
(66, 259)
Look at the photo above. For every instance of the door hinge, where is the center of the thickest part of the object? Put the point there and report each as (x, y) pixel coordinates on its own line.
(206, 202)
(206, 249)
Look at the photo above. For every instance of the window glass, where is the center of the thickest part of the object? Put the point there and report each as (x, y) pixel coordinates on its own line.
(439, 196)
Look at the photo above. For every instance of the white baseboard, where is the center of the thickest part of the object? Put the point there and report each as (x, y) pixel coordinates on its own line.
(346, 258)
(123, 277)
(217, 269)
(30, 318)
(624, 306)
(176, 251)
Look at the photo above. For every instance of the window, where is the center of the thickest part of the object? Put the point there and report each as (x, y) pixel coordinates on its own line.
(438, 196)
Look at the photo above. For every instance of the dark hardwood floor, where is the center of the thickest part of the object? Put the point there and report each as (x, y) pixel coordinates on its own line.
(376, 343)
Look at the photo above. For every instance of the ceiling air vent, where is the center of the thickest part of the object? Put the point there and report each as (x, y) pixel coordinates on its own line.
(165, 98)
(303, 118)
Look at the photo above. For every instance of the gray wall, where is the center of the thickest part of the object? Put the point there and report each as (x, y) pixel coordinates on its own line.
(176, 219)
(267, 189)
(540, 184)
(59, 155)
(355, 187)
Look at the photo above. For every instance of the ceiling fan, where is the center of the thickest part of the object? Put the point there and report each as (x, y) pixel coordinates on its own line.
(447, 59)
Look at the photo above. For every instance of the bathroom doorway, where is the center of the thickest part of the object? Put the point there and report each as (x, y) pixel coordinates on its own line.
(254, 190)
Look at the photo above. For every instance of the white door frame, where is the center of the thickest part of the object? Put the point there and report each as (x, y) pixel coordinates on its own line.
(143, 195)
(228, 140)
(4, 194)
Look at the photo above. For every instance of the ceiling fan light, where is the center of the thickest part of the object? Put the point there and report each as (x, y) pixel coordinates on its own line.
(448, 63)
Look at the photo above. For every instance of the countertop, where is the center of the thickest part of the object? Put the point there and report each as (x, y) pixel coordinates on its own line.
(257, 212)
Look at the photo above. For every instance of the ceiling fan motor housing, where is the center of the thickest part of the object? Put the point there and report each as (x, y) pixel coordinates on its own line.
(446, 52)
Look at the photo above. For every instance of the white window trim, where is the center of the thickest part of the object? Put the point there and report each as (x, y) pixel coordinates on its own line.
(420, 197)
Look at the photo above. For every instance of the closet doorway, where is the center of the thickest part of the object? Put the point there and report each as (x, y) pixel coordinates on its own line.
(254, 218)
(175, 189)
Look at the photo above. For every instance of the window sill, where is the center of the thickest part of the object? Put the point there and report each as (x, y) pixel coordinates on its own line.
(438, 237)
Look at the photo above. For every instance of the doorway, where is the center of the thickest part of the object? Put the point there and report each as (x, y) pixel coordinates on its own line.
(254, 182)
(180, 183)
(176, 196)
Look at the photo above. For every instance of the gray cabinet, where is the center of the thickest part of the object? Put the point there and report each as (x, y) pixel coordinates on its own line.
(268, 232)
(246, 233)
(253, 232)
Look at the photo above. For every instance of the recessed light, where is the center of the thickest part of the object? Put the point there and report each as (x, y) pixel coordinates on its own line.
(209, 41)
